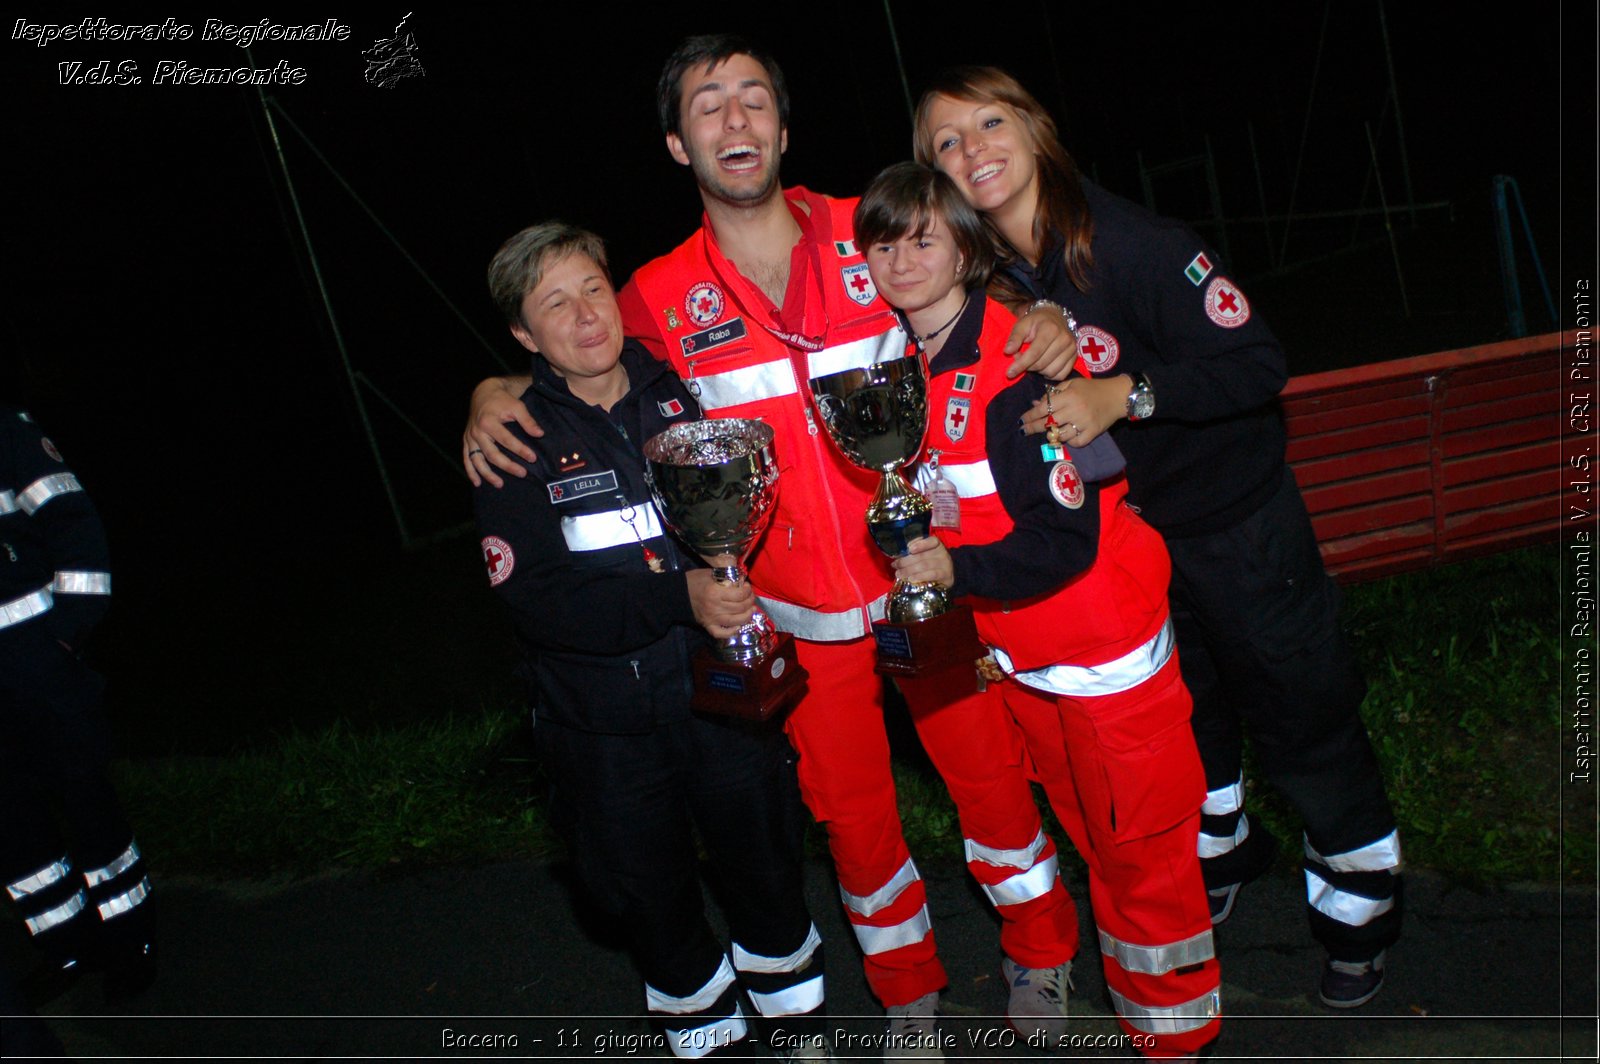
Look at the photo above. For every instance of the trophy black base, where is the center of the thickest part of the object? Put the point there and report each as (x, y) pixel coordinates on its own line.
(756, 690)
(921, 648)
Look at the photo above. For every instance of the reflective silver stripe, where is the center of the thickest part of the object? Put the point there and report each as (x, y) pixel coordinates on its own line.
(875, 940)
(8, 502)
(769, 380)
(44, 489)
(123, 862)
(1380, 856)
(609, 529)
(50, 873)
(858, 354)
(790, 1001)
(59, 915)
(81, 582)
(126, 900)
(1357, 910)
(1158, 960)
(1036, 882)
(1190, 1016)
(1022, 859)
(820, 627)
(699, 1001)
(1225, 800)
(696, 1042)
(1217, 845)
(884, 896)
(1089, 681)
(746, 961)
(20, 609)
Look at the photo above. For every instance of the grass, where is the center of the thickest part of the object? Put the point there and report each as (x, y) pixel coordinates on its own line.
(1463, 709)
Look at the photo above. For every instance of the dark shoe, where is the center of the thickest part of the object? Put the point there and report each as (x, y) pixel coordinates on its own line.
(1351, 984)
(1244, 865)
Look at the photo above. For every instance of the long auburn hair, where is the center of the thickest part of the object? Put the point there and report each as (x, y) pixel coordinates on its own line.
(1063, 212)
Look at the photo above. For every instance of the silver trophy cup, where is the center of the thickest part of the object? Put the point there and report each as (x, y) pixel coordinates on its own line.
(715, 483)
(877, 416)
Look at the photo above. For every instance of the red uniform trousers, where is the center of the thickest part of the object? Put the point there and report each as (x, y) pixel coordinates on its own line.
(1124, 778)
(837, 729)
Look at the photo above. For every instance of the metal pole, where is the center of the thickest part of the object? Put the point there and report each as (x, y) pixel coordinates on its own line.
(1305, 129)
(1261, 193)
(333, 322)
(1399, 122)
(900, 63)
(1509, 284)
(1394, 248)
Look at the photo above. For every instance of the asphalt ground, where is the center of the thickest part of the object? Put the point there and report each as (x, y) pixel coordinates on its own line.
(497, 962)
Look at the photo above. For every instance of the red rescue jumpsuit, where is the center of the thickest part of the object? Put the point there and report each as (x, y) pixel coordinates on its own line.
(819, 577)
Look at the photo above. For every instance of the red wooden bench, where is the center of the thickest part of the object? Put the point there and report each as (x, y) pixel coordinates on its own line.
(1424, 460)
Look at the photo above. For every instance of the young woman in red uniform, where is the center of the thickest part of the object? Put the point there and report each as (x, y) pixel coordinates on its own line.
(1069, 587)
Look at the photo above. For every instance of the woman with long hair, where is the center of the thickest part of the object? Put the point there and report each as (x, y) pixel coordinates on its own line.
(1184, 374)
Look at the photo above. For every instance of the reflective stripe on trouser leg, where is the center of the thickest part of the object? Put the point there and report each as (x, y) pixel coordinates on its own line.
(1353, 898)
(977, 748)
(1158, 960)
(34, 882)
(1187, 1018)
(706, 1020)
(845, 779)
(783, 986)
(1223, 825)
(56, 915)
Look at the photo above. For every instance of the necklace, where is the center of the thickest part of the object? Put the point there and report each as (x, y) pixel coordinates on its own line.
(922, 340)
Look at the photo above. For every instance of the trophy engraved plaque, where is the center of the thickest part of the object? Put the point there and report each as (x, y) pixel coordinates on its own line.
(715, 483)
(877, 416)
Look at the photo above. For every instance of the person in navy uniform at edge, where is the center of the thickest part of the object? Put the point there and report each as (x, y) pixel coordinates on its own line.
(82, 894)
(1185, 375)
(607, 609)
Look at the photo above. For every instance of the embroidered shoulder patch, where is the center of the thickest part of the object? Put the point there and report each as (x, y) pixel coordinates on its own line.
(498, 559)
(1225, 304)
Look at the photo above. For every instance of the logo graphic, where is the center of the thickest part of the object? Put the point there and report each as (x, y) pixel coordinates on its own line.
(672, 317)
(392, 59)
(846, 249)
(499, 560)
(574, 488)
(1198, 268)
(670, 408)
(858, 283)
(1226, 305)
(1066, 485)
(965, 382)
(1098, 348)
(703, 304)
(956, 414)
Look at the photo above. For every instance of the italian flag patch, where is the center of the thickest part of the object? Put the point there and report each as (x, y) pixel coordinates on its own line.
(844, 248)
(965, 382)
(1197, 269)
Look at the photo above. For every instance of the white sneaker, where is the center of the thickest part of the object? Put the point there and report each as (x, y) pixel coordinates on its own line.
(1038, 999)
(914, 1030)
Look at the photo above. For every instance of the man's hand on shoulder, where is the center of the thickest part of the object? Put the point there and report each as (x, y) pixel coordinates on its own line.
(485, 443)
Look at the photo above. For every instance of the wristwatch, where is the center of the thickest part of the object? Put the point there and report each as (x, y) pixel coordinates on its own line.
(1141, 400)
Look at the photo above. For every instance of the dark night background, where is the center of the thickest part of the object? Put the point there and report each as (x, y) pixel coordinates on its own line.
(163, 323)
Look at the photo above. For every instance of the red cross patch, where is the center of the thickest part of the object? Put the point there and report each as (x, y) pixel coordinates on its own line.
(956, 415)
(858, 283)
(498, 558)
(703, 304)
(1066, 485)
(1225, 304)
(1098, 348)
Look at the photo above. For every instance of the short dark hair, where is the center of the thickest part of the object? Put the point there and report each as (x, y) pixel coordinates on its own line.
(520, 264)
(904, 198)
(707, 50)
